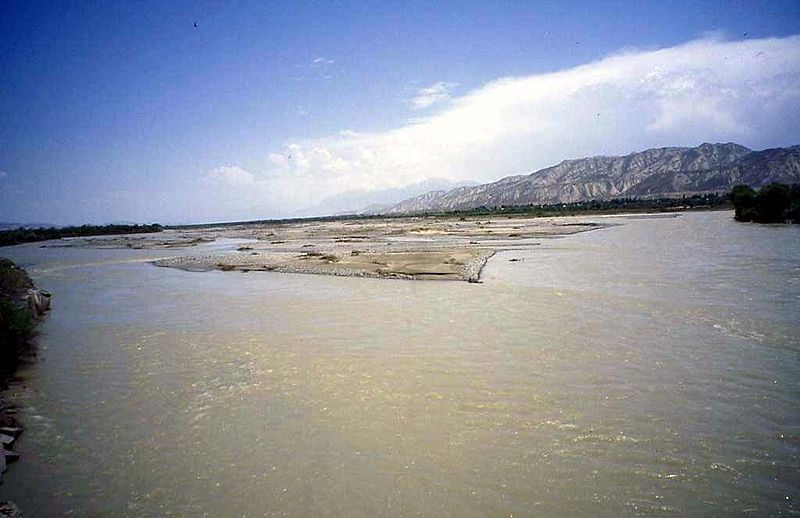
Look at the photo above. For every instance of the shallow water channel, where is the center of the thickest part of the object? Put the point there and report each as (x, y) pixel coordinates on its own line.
(652, 367)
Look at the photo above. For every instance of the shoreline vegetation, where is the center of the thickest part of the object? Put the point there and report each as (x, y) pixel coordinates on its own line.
(22, 306)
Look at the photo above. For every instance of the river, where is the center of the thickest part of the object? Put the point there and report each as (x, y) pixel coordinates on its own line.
(652, 367)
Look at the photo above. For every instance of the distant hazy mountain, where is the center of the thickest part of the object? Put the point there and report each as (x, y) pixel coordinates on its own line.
(368, 202)
(14, 226)
(671, 171)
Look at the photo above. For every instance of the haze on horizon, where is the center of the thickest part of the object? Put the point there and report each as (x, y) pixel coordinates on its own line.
(132, 113)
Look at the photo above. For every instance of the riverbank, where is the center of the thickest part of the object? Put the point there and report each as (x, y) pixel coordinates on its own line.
(22, 306)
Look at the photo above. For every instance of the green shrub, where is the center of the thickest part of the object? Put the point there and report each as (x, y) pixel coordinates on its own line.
(16, 331)
(744, 200)
(16, 322)
(13, 280)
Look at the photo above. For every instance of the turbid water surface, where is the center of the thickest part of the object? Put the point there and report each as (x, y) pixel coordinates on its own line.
(652, 367)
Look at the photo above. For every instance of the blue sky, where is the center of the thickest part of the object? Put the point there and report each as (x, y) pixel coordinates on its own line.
(126, 111)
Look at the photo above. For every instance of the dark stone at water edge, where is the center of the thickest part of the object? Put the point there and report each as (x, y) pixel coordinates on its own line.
(9, 510)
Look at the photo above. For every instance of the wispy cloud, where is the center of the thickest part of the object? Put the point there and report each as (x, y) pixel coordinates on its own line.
(3, 174)
(230, 176)
(434, 94)
(318, 68)
(704, 90)
(321, 61)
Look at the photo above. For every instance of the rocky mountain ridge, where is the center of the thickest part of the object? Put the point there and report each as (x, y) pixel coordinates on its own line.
(374, 202)
(658, 172)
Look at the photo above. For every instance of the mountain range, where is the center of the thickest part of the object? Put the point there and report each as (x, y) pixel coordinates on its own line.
(373, 202)
(658, 172)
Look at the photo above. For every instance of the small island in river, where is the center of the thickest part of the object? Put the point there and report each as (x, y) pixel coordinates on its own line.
(442, 248)
(423, 248)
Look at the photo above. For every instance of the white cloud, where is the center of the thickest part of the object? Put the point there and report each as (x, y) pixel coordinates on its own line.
(704, 90)
(321, 61)
(319, 68)
(434, 94)
(279, 160)
(3, 174)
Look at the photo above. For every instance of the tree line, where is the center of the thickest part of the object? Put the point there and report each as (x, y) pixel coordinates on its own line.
(29, 235)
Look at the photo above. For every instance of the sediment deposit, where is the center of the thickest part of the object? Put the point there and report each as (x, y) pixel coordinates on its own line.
(442, 248)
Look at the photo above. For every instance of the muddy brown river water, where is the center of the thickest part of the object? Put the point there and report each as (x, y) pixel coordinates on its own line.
(648, 368)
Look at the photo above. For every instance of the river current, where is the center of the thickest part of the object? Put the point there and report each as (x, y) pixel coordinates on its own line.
(648, 368)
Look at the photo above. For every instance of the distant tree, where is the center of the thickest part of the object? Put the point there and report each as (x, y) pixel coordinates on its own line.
(774, 203)
(794, 208)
